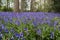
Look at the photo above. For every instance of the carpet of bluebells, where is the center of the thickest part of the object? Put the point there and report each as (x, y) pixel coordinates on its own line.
(29, 26)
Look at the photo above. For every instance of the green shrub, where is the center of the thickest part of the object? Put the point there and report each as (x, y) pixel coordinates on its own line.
(5, 9)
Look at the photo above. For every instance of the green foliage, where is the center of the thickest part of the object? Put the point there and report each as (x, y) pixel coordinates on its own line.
(45, 7)
(56, 5)
(5, 9)
(31, 32)
(0, 4)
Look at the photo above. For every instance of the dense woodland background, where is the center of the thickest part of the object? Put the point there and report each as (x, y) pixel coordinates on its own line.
(29, 5)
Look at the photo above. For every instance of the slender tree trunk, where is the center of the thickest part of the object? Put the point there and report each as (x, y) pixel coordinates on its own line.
(22, 5)
(32, 8)
(44, 6)
(7, 5)
(0, 3)
(16, 5)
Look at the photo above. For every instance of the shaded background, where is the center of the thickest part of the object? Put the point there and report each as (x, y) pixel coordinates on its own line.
(29, 5)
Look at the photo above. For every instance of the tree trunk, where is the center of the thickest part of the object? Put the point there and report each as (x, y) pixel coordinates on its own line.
(0, 3)
(32, 8)
(7, 5)
(22, 5)
(16, 5)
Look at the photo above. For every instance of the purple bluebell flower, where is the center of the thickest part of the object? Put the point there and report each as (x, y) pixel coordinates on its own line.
(24, 21)
(3, 27)
(26, 29)
(17, 35)
(1, 35)
(6, 30)
(11, 21)
(55, 23)
(38, 32)
(10, 18)
(48, 21)
(5, 19)
(34, 23)
(52, 35)
(17, 22)
(21, 34)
